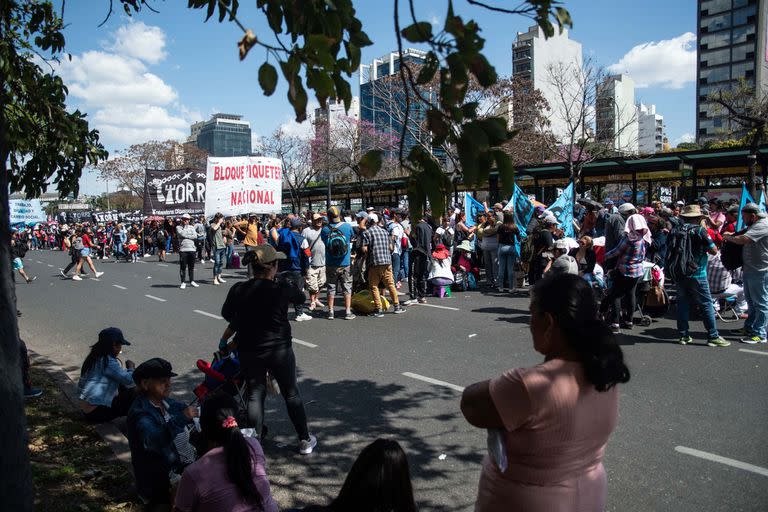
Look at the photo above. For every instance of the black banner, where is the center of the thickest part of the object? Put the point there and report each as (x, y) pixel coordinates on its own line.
(130, 216)
(174, 192)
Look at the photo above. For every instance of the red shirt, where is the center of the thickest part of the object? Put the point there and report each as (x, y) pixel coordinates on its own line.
(87, 241)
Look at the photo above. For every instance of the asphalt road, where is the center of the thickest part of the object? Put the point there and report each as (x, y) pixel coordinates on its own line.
(354, 384)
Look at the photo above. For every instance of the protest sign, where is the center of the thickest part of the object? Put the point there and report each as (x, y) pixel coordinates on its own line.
(26, 211)
(174, 192)
(241, 184)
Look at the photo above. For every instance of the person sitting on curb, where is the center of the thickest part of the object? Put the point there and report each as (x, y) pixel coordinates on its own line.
(154, 423)
(231, 475)
(106, 389)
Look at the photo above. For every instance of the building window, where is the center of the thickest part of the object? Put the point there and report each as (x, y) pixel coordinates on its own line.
(743, 34)
(742, 16)
(715, 6)
(715, 23)
(740, 70)
(743, 52)
(716, 58)
(719, 74)
(713, 41)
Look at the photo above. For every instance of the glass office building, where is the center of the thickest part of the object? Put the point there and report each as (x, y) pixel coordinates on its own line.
(223, 135)
(731, 46)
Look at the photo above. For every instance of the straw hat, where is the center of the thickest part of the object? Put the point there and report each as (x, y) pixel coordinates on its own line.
(464, 246)
(692, 211)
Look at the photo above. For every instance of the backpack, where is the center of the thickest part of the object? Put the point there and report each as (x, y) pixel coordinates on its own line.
(681, 252)
(336, 245)
(731, 255)
(447, 238)
(527, 248)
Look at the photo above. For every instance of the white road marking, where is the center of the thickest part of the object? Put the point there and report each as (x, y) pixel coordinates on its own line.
(95, 279)
(433, 381)
(722, 460)
(305, 343)
(438, 307)
(120, 287)
(471, 335)
(162, 265)
(753, 351)
(205, 313)
(40, 262)
(158, 299)
(50, 265)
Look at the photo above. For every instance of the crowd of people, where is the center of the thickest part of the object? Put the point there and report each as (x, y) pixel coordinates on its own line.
(583, 293)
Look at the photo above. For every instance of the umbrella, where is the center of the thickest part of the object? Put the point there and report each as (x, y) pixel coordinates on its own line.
(590, 203)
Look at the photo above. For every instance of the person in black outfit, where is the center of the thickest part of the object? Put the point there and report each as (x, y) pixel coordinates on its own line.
(257, 312)
(420, 262)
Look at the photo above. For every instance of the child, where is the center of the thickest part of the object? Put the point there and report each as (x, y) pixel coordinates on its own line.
(18, 251)
(133, 249)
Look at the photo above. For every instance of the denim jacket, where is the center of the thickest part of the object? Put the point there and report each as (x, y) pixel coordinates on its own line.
(150, 437)
(100, 385)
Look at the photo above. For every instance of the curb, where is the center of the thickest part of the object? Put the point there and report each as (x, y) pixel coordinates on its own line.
(111, 434)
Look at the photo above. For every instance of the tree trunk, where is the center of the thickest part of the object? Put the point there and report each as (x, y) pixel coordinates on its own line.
(15, 474)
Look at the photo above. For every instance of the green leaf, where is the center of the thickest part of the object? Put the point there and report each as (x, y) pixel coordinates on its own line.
(267, 78)
(496, 130)
(428, 69)
(483, 70)
(438, 126)
(506, 171)
(370, 163)
(563, 18)
(419, 32)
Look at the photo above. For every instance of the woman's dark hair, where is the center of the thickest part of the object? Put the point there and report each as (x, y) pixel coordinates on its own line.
(379, 481)
(256, 267)
(102, 349)
(509, 218)
(217, 412)
(570, 300)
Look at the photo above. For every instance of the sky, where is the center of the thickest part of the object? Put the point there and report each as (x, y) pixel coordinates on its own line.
(149, 76)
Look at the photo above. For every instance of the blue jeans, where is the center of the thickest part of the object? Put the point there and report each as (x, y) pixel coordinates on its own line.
(403, 266)
(230, 250)
(507, 257)
(696, 290)
(396, 266)
(117, 249)
(218, 260)
(593, 279)
(756, 293)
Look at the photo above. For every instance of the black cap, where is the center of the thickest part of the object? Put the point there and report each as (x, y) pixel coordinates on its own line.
(114, 335)
(154, 368)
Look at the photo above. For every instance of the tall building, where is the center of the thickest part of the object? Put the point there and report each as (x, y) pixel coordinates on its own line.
(616, 114)
(335, 113)
(731, 46)
(532, 57)
(650, 130)
(383, 106)
(222, 135)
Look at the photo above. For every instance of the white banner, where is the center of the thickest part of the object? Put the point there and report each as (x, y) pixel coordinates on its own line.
(27, 211)
(241, 184)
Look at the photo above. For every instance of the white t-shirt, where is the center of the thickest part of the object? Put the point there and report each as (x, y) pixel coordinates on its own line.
(313, 241)
(396, 232)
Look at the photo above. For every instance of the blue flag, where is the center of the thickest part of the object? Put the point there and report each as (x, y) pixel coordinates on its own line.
(761, 204)
(563, 210)
(745, 198)
(472, 207)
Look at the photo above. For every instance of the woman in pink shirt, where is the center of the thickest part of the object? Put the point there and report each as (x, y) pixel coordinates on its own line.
(553, 419)
(231, 476)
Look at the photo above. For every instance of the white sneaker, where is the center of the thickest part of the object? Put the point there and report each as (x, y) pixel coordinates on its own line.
(319, 304)
(307, 445)
(303, 318)
(76, 278)
(221, 280)
(194, 284)
(99, 274)
(183, 285)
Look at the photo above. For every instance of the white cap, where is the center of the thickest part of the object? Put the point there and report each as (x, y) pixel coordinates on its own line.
(373, 218)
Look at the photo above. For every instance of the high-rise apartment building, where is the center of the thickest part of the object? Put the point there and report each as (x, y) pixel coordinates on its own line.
(650, 130)
(532, 57)
(616, 114)
(383, 105)
(334, 115)
(731, 47)
(222, 135)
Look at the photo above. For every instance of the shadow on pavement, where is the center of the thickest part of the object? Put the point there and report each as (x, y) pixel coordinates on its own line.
(501, 311)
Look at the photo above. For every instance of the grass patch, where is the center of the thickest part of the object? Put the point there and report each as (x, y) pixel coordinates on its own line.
(73, 469)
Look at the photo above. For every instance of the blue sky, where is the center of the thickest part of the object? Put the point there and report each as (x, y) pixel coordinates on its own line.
(151, 75)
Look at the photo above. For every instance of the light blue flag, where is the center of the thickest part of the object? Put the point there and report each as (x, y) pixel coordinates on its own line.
(761, 204)
(745, 198)
(563, 210)
(523, 208)
(472, 207)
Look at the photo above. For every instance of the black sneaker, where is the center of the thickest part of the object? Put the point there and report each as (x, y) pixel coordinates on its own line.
(32, 392)
(398, 309)
(378, 314)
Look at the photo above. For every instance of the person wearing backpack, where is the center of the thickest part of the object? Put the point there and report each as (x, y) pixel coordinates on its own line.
(337, 238)
(292, 269)
(18, 251)
(755, 257)
(686, 265)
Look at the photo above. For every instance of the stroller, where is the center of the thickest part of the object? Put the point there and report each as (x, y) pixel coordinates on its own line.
(651, 297)
(223, 375)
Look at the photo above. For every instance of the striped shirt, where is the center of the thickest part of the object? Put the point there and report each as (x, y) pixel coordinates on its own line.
(631, 255)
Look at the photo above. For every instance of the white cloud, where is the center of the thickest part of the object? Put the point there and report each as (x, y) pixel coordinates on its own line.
(669, 63)
(125, 101)
(140, 41)
(686, 137)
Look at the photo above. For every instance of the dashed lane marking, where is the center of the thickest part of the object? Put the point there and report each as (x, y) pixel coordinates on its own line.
(433, 381)
(305, 343)
(120, 287)
(205, 313)
(722, 460)
(162, 265)
(50, 265)
(437, 306)
(158, 299)
(753, 351)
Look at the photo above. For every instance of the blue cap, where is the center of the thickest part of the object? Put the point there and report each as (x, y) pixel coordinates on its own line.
(608, 201)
